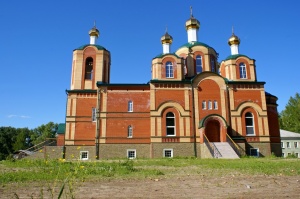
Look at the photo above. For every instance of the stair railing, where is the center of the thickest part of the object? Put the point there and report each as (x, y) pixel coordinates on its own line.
(212, 148)
(39, 146)
(239, 150)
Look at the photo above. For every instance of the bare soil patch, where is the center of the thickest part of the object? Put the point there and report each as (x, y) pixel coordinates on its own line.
(178, 185)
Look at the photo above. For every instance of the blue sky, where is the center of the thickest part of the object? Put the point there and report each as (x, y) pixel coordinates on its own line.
(37, 39)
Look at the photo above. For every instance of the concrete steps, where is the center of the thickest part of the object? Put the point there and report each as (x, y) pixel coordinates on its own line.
(226, 150)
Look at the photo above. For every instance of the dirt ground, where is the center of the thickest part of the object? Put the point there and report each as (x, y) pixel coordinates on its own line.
(177, 186)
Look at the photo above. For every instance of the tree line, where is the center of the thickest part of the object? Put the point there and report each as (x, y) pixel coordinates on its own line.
(14, 139)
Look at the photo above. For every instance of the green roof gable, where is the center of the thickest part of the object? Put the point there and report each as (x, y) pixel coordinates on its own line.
(236, 56)
(61, 128)
(97, 46)
(162, 55)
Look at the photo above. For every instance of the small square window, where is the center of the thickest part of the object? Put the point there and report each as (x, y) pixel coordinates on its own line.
(84, 155)
(131, 153)
(168, 153)
(297, 155)
(254, 152)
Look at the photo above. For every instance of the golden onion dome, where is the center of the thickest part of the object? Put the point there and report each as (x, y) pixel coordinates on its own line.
(166, 38)
(192, 23)
(94, 32)
(233, 40)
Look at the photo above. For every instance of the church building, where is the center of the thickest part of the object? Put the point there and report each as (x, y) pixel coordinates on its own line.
(193, 106)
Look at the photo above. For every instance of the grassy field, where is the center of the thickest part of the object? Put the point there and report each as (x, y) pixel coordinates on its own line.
(60, 170)
(59, 174)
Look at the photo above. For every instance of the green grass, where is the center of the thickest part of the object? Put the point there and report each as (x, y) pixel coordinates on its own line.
(60, 170)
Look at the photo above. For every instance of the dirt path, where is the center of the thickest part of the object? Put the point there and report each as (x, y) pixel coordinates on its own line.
(178, 186)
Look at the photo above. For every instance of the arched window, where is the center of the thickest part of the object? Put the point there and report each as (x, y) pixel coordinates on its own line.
(203, 105)
(198, 64)
(215, 105)
(170, 124)
(249, 120)
(129, 131)
(89, 68)
(209, 105)
(130, 106)
(243, 74)
(212, 64)
(169, 70)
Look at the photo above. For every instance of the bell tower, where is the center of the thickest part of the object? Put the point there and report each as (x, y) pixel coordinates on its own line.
(91, 63)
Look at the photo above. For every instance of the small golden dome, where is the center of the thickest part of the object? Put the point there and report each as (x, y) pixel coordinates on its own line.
(192, 23)
(94, 32)
(166, 38)
(233, 40)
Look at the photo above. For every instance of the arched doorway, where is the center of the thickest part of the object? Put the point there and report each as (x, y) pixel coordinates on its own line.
(212, 131)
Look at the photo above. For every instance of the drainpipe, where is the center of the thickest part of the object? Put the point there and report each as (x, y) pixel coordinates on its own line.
(97, 124)
(229, 109)
(64, 146)
(194, 127)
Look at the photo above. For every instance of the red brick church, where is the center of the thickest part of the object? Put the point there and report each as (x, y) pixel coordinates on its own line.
(193, 105)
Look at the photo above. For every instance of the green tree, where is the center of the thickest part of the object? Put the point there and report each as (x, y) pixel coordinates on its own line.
(290, 117)
(7, 138)
(44, 131)
(22, 140)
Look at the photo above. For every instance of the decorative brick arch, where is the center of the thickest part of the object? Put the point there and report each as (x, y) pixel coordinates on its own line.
(175, 105)
(245, 105)
(215, 123)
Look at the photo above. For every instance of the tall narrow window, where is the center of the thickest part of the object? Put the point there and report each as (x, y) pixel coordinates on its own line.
(209, 105)
(203, 105)
(249, 123)
(94, 114)
(129, 131)
(243, 74)
(170, 124)
(215, 105)
(198, 64)
(89, 68)
(212, 64)
(130, 106)
(169, 70)
(296, 145)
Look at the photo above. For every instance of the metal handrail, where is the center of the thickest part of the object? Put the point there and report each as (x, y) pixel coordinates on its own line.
(240, 151)
(212, 148)
(40, 145)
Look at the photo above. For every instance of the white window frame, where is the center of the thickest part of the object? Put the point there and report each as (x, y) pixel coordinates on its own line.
(168, 150)
(209, 105)
(282, 155)
(282, 145)
(297, 155)
(129, 155)
(199, 67)
(129, 131)
(203, 105)
(215, 104)
(288, 145)
(169, 70)
(171, 127)
(94, 114)
(248, 126)
(257, 152)
(243, 71)
(130, 106)
(83, 156)
(296, 145)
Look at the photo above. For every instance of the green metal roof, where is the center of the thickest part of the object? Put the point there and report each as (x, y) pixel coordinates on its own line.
(162, 55)
(195, 43)
(235, 56)
(61, 128)
(97, 46)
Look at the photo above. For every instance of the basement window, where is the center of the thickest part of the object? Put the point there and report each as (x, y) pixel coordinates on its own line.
(84, 155)
(168, 153)
(131, 153)
(254, 152)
